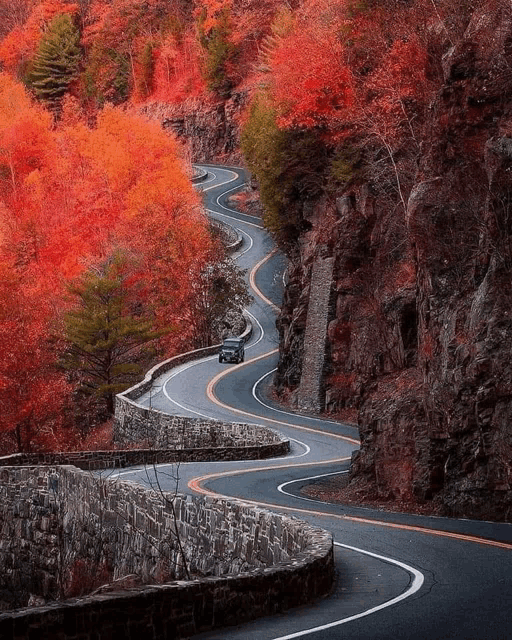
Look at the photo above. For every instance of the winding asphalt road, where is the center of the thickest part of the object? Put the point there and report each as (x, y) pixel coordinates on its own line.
(398, 576)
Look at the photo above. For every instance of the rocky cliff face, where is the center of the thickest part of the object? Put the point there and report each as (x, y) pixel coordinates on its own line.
(420, 328)
(420, 335)
(208, 130)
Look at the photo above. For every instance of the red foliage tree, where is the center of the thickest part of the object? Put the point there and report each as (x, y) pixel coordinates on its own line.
(70, 197)
(33, 393)
(177, 71)
(310, 91)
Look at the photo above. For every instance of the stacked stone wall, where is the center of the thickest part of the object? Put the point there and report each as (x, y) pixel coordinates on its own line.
(93, 460)
(142, 387)
(58, 516)
(134, 423)
(200, 175)
(232, 239)
(228, 440)
(311, 391)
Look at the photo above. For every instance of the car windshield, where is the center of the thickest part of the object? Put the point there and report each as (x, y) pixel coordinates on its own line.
(231, 344)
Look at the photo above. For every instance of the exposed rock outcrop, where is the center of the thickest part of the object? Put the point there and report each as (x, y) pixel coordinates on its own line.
(421, 335)
(210, 131)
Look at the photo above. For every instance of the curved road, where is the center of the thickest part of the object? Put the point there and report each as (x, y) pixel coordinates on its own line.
(398, 576)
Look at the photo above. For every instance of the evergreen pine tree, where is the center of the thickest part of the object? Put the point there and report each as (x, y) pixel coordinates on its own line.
(106, 336)
(56, 62)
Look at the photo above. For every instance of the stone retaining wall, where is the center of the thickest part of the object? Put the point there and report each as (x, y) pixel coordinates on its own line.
(134, 424)
(200, 175)
(162, 367)
(210, 439)
(310, 395)
(135, 392)
(55, 518)
(231, 238)
(93, 460)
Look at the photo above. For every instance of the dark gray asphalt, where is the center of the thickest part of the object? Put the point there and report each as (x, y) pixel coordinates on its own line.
(446, 587)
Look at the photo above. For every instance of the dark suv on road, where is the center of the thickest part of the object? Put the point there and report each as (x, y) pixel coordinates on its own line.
(232, 350)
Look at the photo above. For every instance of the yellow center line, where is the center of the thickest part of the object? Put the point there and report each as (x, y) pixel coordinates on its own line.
(252, 280)
(196, 485)
(236, 472)
(211, 395)
(435, 532)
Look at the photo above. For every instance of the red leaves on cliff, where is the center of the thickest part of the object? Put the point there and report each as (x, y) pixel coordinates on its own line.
(331, 72)
(311, 84)
(397, 90)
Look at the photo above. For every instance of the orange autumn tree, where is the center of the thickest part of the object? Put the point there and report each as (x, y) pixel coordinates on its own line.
(70, 198)
(75, 194)
(33, 392)
(159, 216)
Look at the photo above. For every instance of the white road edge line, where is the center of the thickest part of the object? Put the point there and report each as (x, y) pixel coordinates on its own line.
(417, 577)
(286, 413)
(307, 449)
(322, 475)
(224, 215)
(197, 362)
(417, 582)
(221, 184)
(232, 217)
(234, 211)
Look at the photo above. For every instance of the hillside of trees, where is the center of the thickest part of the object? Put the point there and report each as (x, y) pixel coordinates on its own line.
(96, 248)
(378, 132)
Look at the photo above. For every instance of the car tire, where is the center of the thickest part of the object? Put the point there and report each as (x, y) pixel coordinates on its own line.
(220, 358)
